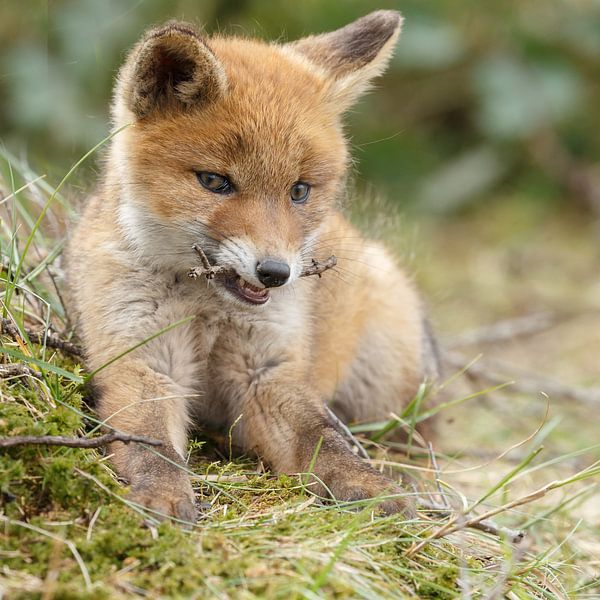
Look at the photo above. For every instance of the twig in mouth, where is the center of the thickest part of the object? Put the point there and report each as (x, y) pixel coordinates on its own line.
(316, 268)
(74, 442)
(211, 271)
(207, 270)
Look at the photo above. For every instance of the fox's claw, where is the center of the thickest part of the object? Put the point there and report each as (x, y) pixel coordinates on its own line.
(166, 500)
(393, 498)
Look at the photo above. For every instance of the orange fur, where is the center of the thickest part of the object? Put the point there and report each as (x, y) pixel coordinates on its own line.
(266, 116)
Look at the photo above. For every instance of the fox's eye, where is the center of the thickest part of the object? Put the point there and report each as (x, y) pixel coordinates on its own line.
(299, 192)
(213, 182)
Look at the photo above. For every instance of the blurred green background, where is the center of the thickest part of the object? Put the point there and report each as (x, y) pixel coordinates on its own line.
(482, 98)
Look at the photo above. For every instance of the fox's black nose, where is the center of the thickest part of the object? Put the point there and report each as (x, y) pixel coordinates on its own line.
(272, 272)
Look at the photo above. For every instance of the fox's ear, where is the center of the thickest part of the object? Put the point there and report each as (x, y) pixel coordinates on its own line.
(353, 55)
(170, 68)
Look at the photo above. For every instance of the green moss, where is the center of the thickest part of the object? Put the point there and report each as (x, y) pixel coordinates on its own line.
(262, 536)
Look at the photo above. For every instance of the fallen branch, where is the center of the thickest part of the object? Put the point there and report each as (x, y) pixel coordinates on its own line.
(17, 370)
(50, 340)
(459, 521)
(508, 329)
(211, 271)
(486, 525)
(73, 442)
(526, 383)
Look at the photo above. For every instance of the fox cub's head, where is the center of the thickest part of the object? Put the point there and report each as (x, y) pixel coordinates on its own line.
(236, 145)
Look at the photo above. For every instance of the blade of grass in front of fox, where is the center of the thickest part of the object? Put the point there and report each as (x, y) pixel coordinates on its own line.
(13, 255)
(394, 422)
(15, 194)
(22, 331)
(586, 491)
(323, 574)
(29, 287)
(443, 405)
(138, 345)
(41, 364)
(376, 426)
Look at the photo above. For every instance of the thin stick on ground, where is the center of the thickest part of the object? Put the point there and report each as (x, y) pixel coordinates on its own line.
(73, 442)
(17, 370)
(476, 522)
(50, 340)
(485, 525)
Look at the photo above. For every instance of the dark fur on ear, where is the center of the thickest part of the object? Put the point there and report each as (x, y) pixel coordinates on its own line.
(169, 69)
(353, 55)
(353, 46)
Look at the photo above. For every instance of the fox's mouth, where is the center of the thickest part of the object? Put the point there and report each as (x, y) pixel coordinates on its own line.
(245, 291)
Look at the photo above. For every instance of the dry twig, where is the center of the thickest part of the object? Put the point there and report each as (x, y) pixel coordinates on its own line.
(486, 525)
(459, 522)
(50, 340)
(73, 442)
(17, 370)
(211, 271)
(316, 268)
(207, 270)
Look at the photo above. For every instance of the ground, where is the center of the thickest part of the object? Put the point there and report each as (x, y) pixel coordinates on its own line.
(69, 531)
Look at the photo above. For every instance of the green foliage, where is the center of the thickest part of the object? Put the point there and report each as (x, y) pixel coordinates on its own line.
(470, 90)
(42, 479)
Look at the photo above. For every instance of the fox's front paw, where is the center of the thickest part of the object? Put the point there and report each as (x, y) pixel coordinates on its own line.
(364, 484)
(167, 498)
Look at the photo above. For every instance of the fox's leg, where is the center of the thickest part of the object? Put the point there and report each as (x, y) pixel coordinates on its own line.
(280, 417)
(147, 391)
(385, 375)
(286, 424)
(136, 399)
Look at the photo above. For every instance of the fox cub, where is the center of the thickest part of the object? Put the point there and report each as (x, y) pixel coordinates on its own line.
(236, 146)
